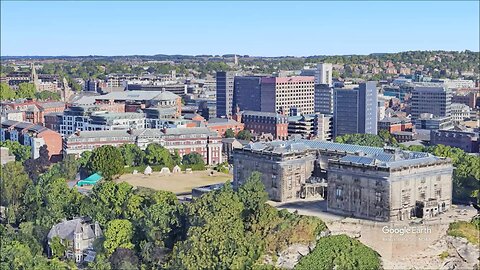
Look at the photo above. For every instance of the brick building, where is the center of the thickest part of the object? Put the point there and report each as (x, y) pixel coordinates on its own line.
(266, 122)
(33, 135)
(34, 111)
(395, 124)
(185, 140)
(221, 125)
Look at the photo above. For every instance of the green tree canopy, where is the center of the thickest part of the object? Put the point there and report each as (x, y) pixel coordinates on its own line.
(107, 160)
(6, 93)
(194, 160)
(361, 139)
(155, 154)
(132, 154)
(229, 133)
(340, 252)
(14, 182)
(47, 95)
(21, 152)
(26, 90)
(244, 135)
(119, 234)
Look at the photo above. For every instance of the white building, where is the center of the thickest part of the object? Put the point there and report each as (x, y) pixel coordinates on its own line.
(323, 74)
(460, 112)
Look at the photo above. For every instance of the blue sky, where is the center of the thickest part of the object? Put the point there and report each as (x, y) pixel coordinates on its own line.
(254, 28)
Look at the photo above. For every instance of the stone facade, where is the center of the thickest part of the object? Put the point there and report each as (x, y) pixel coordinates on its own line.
(366, 182)
(383, 194)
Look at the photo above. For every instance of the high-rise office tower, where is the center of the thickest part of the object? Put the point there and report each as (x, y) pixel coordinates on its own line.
(323, 99)
(282, 93)
(355, 110)
(246, 93)
(431, 98)
(224, 93)
(323, 74)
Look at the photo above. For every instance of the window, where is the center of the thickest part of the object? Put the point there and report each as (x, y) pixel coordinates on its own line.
(339, 193)
(378, 197)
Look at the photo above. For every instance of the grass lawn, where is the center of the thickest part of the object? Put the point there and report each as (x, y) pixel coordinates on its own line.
(466, 230)
(176, 183)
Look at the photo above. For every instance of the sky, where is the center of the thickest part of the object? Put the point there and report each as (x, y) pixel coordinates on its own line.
(254, 28)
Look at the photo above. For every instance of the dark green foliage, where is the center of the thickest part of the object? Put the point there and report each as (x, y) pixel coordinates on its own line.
(155, 154)
(69, 166)
(13, 182)
(124, 258)
(47, 95)
(107, 160)
(222, 167)
(229, 133)
(340, 252)
(194, 160)
(58, 249)
(20, 152)
(367, 139)
(34, 167)
(132, 155)
(244, 135)
(21, 251)
(216, 237)
(108, 201)
(230, 230)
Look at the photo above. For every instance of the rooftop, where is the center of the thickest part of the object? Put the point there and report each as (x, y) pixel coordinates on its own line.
(355, 154)
(139, 95)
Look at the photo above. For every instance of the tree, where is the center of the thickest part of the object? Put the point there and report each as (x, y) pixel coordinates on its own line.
(162, 220)
(69, 166)
(21, 152)
(361, 139)
(14, 182)
(155, 154)
(340, 252)
(58, 249)
(229, 133)
(177, 160)
(6, 92)
(132, 154)
(124, 258)
(194, 160)
(108, 201)
(244, 135)
(47, 95)
(26, 90)
(216, 237)
(84, 159)
(253, 195)
(107, 160)
(35, 167)
(118, 234)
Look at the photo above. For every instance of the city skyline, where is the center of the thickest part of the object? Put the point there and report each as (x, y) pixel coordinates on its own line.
(245, 28)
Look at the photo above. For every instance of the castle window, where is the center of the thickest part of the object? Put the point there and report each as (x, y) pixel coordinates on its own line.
(378, 197)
